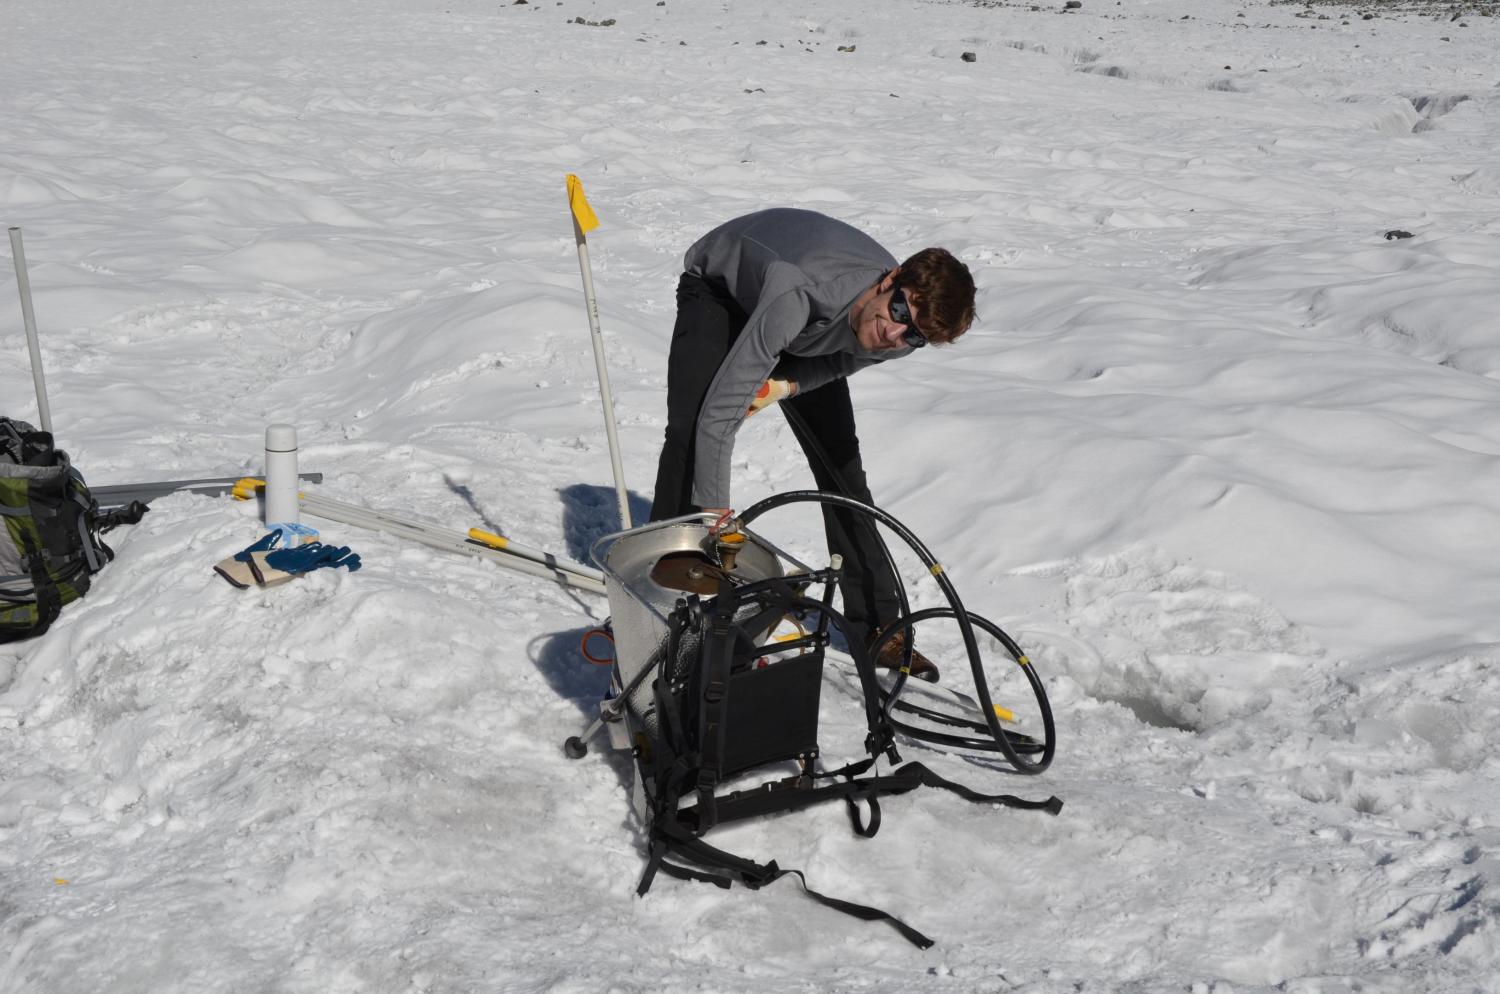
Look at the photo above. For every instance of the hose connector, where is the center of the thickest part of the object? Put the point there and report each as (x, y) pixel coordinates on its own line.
(727, 546)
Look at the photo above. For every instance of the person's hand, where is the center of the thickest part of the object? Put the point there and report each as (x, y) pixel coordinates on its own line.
(769, 393)
(723, 517)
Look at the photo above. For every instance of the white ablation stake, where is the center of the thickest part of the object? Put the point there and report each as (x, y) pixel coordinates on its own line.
(282, 505)
(584, 221)
(18, 254)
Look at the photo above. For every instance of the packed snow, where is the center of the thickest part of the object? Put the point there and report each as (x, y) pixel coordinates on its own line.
(1221, 452)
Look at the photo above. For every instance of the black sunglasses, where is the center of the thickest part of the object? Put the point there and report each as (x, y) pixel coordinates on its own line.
(901, 314)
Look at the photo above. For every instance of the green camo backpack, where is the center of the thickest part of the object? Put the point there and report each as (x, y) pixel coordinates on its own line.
(50, 545)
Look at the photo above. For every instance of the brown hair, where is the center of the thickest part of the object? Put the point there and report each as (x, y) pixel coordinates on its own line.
(945, 291)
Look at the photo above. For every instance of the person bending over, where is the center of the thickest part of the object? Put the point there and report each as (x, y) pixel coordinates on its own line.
(784, 305)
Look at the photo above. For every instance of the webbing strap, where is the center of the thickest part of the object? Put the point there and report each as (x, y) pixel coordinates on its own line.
(773, 798)
(755, 876)
(666, 700)
(48, 600)
(12, 446)
(861, 828)
(861, 911)
(86, 542)
(914, 775)
(713, 705)
(852, 770)
(671, 837)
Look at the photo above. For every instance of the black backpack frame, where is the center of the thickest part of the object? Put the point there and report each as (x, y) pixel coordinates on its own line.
(728, 703)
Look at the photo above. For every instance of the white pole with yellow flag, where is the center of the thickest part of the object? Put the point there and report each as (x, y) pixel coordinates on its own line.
(584, 221)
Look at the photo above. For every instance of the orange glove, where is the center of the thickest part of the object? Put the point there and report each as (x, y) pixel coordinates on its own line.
(769, 393)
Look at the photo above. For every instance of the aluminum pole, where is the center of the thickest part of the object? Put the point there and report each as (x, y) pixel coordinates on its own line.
(509, 555)
(18, 253)
(597, 337)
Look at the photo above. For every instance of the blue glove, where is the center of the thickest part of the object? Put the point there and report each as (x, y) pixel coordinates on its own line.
(239, 569)
(315, 555)
(266, 541)
(266, 565)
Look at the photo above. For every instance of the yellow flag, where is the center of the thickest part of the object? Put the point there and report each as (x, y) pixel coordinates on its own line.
(582, 212)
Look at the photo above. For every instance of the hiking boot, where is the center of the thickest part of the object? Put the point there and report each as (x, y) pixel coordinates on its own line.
(891, 655)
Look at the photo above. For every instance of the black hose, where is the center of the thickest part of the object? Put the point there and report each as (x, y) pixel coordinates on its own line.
(1001, 739)
(1022, 744)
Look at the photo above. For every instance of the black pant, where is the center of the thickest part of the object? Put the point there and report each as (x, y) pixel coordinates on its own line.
(708, 322)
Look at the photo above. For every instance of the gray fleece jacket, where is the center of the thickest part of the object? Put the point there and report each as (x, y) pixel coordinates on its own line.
(796, 273)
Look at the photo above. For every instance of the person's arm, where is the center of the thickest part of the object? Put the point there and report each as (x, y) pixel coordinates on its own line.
(811, 372)
(780, 317)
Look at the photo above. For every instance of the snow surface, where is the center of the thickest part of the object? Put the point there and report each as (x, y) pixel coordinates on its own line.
(1219, 452)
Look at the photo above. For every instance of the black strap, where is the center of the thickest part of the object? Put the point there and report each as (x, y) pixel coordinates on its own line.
(48, 598)
(755, 876)
(713, 704)
(130, 514)
(771, 798)
(669, 717)
(780, 796)
(11, 442)
(854, 769)
(861, 829)
(914, 775)
(687, 873)
(671, 836)
(861, 911)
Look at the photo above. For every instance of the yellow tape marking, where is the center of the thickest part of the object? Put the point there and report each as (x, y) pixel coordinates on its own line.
(488, 538)
(248, 486)
(937, 569)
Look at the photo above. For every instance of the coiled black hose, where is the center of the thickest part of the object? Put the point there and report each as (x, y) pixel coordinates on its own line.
(1016, 748)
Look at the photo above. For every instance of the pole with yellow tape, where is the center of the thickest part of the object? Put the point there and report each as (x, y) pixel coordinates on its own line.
(584, 221)
(475, 542)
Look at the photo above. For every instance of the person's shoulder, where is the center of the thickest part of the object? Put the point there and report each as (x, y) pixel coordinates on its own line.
(781, 217)
(801, 217)
(775, 225)
(792, 213)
